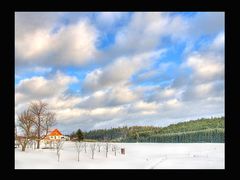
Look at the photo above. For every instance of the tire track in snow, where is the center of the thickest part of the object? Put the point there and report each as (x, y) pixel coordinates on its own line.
(163, 159)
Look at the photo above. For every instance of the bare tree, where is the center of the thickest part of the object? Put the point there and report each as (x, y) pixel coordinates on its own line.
(107, 147)
(43, 119)
(114, 148)
(85, 147)
(79, 146)
(99, 145)
(93, 148)
(25, 122)
(59, 147)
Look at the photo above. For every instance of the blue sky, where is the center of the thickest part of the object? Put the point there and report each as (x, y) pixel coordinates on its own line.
(110, 69)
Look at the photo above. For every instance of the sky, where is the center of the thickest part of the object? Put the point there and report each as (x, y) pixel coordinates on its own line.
(111, 69)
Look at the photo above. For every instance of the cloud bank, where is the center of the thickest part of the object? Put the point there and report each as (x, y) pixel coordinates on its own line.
(105, 69)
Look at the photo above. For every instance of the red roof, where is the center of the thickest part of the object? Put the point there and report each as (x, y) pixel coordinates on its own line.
(55, 132)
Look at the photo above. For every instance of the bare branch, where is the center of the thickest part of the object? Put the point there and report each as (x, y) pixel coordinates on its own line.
(43, 119)
(25, 122)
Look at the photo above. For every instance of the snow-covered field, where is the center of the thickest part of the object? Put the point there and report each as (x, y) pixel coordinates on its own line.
(137, 156)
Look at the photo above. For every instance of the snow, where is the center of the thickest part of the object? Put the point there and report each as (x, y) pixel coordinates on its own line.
(137, 156)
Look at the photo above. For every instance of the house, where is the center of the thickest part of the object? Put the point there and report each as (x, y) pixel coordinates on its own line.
(54, 135)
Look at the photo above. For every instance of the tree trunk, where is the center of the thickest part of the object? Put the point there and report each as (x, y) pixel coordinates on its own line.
(24, 147)
(24, 144)
(106, 150)
(78, 157)
(38, 143)
(58, 155)
(38, 133)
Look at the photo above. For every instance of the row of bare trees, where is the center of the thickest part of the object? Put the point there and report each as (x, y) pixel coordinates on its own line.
(79, 146)
(34, 123)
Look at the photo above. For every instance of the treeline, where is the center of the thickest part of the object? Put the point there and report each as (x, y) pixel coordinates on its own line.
(208, 135)
(201, 130)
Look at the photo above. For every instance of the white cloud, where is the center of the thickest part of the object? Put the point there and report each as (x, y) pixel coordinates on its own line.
(26, 22)
(147, 75)
(120, 71)
(207, 77)
(218, 43)
(154, 73)
(93, 116)
(39, 87)
(63, 101)
(204, 91)
(33, 44)
(40, 69)
(166, 93)
(160, 95)
(200, 25)
(206, 66)
(146, 29)
(173, 103)
(69, 115)
(144, 106)
(69, 45)
(105, 111)
(108, 19)
(206, 23)
(75, 44)
(51, 90)
(207, 63)
(110, 97)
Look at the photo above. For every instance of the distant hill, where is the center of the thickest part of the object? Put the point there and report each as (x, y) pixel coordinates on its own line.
(201, 130)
